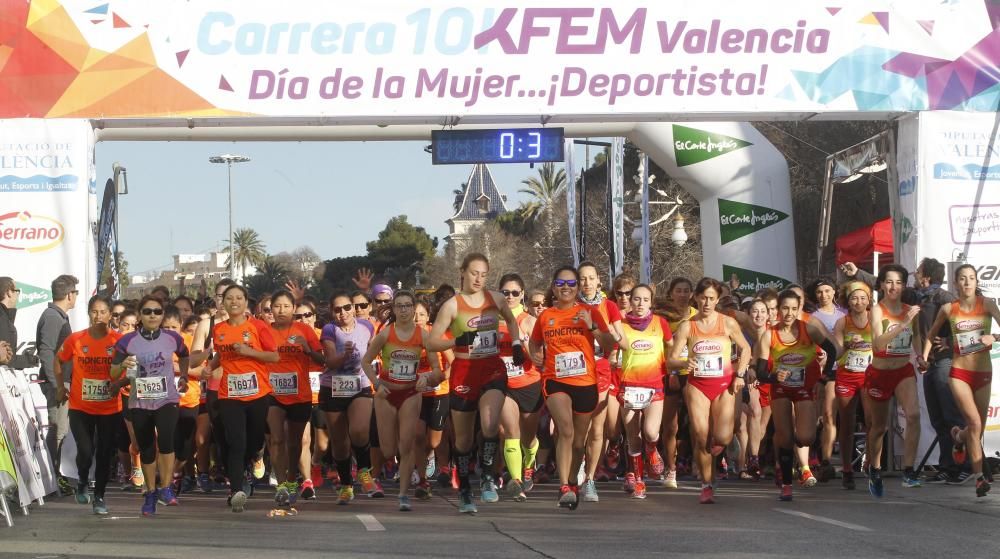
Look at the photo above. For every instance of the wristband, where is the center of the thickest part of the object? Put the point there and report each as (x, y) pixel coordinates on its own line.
(517, 342)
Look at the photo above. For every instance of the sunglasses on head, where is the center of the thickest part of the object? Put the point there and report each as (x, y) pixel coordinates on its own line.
(150, 310)
(342, 308)
(300, 316)
(564, 282)
(361, 306)
(510, 292)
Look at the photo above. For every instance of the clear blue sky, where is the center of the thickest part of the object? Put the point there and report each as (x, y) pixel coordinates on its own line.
(331, 196)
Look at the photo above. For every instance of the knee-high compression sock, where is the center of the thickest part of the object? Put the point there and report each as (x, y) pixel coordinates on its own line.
(513, 458)
(487, 458)
(529, 455)
(785, 459)
(363, 456)
(344, 471)
(462, 460)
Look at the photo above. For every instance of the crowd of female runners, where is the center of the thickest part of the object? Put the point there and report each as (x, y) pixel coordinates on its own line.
(513, 385)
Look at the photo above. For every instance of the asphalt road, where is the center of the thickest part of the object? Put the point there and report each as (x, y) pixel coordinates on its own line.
(746, 521)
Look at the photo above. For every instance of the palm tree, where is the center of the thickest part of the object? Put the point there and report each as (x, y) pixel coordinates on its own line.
(459, 196)
(270, 277)
(544, 190)
(247, 249)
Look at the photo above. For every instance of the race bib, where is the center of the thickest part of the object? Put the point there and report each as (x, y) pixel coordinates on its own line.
(344, 386)
(314, 377)
(709, 365)
(242, 385)
(969, 342)
(900, 345)
(513, 371)
(284, 384)
(95, 390)
(637, 398)
(151, 388)
(570, 364)
(403, 370)
(857, 361)
(796, 377)
(485, 343)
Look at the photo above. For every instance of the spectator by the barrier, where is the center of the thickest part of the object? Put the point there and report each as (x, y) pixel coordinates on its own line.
(9, 294)
(53, 329)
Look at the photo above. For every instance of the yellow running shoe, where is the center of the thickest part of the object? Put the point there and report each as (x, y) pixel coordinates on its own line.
(346, 495)
(258, 468)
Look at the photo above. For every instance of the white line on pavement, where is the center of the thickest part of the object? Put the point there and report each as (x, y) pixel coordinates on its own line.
(370, 523)
(825, 520)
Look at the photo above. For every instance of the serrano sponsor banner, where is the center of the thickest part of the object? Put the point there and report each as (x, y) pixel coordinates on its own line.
(950, 207)
(176, 58)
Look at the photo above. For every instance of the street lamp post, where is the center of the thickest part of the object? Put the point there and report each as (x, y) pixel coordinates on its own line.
(229, 159)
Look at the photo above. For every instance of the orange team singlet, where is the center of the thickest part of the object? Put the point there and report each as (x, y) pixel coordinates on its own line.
(243, 378)
(289, 377)
(901, 345)
(192, 397)
(484, 320)
(644, 360)
(424, 368)
(569, 344)
(315, 372)
(518, 376)
(967, 329)
(90, 382)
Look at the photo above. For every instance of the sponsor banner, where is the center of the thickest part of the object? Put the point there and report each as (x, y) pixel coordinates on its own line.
(175, 58)
(692, 145)
(571, 202)
(737, 219)
(105, 226)
(25, 436)
(752, 281)
(954, 207)
(616, 201)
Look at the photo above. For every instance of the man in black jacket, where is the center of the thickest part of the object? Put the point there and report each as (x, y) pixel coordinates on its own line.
(9, 294)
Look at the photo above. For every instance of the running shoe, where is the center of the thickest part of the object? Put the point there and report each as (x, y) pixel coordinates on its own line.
(404, 503)
(188, 484)
(723, 472)
(238, 501)
(258, 468)
(138, 480)
(640, 490)
(826, 472)
(958, 479)
(308, 490)
(465, 504)
(369, 484)
(454, 478)
(602, 474)
(753, 467)
(166, 497)
(65, 487)
(982, 487)
(590, 492)
(612, 457)
(654, 460)
(786, 493)
(82, 497)
(958, 450)
(875, 486)
(272, 480)
(940, 477)
(707, 495)
(848, 480)
(281, 497)
(204, 483)
(581, 474)
(316, 476)
(629, 485)
(149, 503)
(423, 490)
(100, 507)
(542, 475)
(515, 491)
(444, 477)
(488, 490)
(911, 480)
(431, 466)
(293, 491)
(670, 479)
(346, 495)
(529, 479)
(807, 479)
(567, 497)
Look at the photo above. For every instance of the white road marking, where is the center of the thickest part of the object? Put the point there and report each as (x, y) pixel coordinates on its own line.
(370, 523)
(825, 520)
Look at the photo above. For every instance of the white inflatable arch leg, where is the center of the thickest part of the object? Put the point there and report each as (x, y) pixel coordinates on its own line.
(741, 183)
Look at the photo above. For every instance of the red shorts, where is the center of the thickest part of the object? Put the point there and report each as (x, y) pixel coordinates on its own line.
(471, 377)
(711, 387)
(765, 395)
(398, 397)
(604, 380)
(802, 393)
(849, 383)
(616, 382)
(975, 379)
(881, 384)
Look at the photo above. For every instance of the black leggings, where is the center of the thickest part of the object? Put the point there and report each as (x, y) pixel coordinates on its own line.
(244, 423)
(95, 439)
(187, 420)
(154, 430)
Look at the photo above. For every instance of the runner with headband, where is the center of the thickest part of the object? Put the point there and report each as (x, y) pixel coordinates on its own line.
(644, 349)
(895, 340)
(478, 376)
(972, 370)
(93, 407)
(854, 332)
(562, 344)
(520, 415)
(153, 399)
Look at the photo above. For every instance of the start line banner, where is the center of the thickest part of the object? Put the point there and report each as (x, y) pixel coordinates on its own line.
(176, 58)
